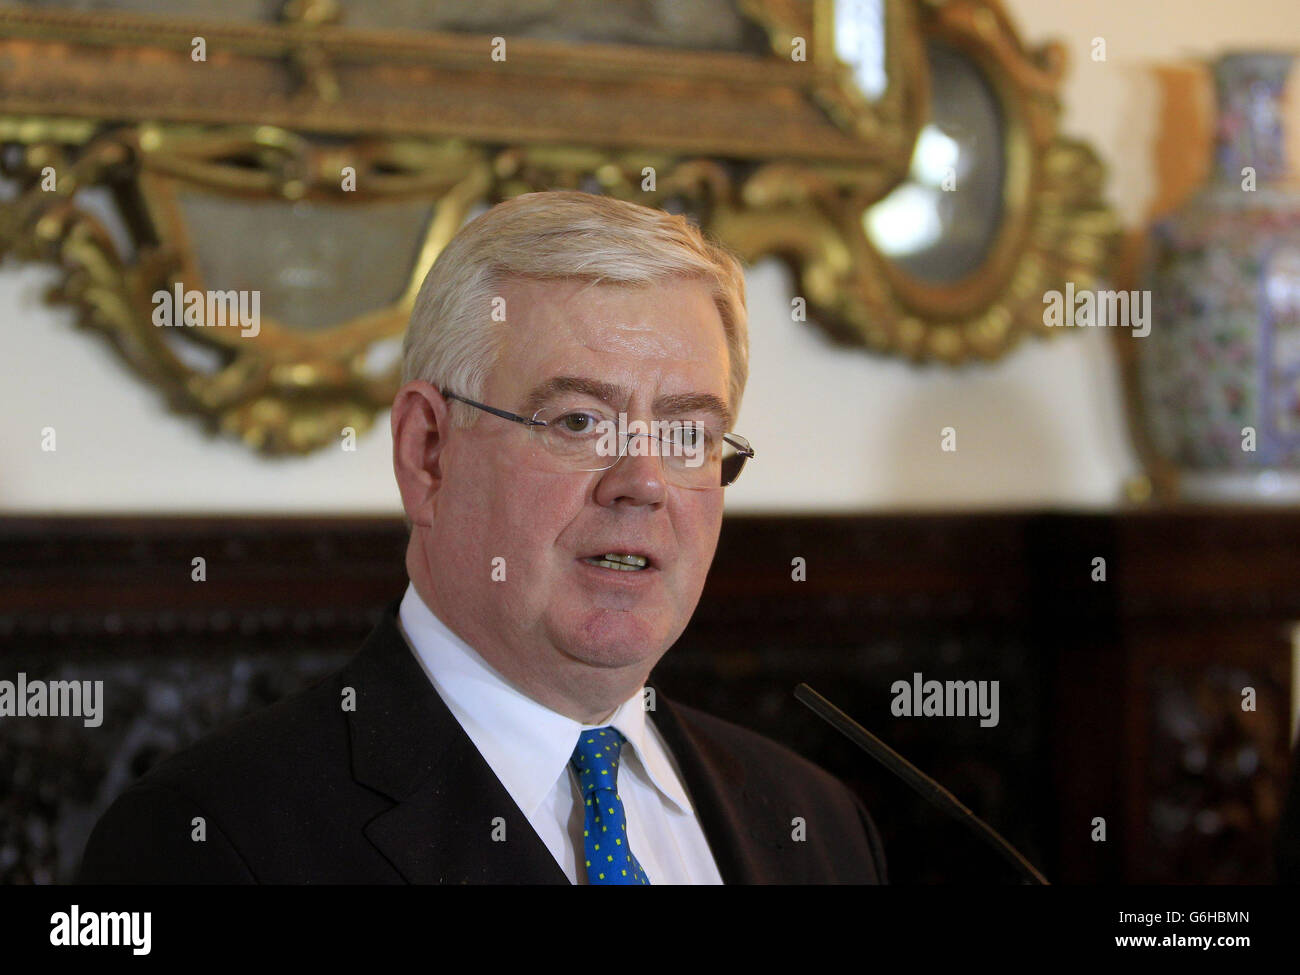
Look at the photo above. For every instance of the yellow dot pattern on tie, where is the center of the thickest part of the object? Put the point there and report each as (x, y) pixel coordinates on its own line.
(595, 760)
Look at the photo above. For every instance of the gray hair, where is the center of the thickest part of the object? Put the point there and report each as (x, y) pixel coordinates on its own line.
(451, 340)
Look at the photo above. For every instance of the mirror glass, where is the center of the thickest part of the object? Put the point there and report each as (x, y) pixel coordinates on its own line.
(316, 265)
(701, 24)
(940, 223)
(860, 43)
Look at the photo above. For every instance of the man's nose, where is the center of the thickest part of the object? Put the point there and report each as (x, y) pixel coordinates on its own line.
(637, 477)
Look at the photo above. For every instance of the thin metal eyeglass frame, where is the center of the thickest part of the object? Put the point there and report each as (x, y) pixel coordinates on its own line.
(741, 445)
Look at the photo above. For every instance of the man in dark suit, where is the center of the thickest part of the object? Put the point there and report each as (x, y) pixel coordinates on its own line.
(561, 443)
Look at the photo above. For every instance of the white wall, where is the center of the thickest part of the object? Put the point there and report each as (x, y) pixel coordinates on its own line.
(833, 429)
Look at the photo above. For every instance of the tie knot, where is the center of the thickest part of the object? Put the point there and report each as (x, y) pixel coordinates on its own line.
(596, 759)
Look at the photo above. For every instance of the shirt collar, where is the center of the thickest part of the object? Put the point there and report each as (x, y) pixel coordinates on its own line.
(526, 743)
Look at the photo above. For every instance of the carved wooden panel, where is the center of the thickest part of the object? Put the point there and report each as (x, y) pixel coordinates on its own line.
(1119, 700)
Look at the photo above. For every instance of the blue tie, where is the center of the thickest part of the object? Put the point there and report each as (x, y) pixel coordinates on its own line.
(609, 858)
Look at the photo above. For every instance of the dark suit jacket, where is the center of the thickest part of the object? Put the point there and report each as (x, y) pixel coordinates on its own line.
(395, 791)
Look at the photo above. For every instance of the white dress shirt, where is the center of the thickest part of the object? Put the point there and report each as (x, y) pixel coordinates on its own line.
(528, 746)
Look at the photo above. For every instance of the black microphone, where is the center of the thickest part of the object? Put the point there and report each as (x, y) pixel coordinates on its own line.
(931, 790)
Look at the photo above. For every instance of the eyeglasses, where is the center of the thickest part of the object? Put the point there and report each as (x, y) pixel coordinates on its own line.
(696, 454)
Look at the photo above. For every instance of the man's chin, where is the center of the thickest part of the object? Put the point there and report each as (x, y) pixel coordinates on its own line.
(611, 638)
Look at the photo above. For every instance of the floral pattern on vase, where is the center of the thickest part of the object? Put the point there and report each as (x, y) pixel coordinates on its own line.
(1223, 356)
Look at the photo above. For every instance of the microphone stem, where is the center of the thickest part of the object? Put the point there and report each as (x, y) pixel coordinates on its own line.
(929, 789)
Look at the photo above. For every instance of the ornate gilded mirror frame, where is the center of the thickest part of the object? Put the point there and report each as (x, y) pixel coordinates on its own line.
(121, 146)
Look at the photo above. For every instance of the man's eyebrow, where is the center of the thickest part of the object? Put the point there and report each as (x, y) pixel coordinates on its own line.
(614, 395)
(543, 393)
(688, 403)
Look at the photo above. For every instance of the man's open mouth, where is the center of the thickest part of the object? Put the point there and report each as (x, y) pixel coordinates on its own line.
(618, 561)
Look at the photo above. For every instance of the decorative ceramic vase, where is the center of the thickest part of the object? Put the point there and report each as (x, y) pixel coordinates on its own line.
(1220, 368)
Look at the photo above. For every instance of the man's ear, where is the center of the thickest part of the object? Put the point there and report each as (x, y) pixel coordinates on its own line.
(420, 421)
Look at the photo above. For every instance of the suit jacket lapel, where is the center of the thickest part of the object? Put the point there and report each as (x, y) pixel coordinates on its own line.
(453, 821)
(715, 780)
(449, 803)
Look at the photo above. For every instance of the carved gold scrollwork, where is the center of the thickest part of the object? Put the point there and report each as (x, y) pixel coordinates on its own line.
(774, 156)
(1054, 227)
(289, 390)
